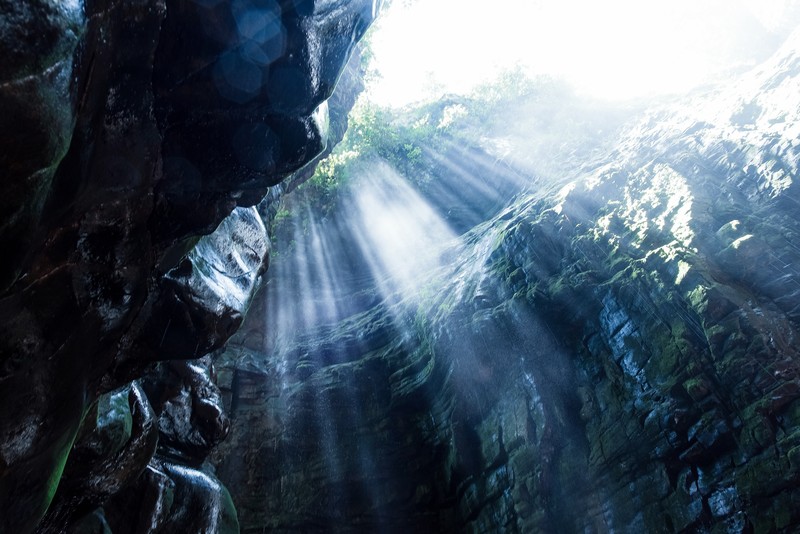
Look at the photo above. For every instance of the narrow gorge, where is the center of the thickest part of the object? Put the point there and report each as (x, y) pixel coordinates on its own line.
(239, 297)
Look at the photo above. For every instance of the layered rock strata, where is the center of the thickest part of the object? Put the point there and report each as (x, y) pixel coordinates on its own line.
(618, 356)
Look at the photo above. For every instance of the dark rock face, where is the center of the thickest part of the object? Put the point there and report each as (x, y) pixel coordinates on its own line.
(39, 39)
(617, 356)
(114, 445)
(175, 492)
(245, 108)
(126, 128)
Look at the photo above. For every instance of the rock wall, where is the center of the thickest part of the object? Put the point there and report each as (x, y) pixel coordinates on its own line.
(620, 355)
(127, 129)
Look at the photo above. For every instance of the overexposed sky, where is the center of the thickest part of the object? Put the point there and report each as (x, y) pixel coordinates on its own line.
(612, 49)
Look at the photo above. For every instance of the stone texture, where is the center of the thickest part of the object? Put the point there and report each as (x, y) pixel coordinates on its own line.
(619, 355)
(115, 444)
(120, 144)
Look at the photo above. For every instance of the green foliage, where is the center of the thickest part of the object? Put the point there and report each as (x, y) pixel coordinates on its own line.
(374, 134)
(405, 138)
(509, 85)
(378, 133)
(516, 89)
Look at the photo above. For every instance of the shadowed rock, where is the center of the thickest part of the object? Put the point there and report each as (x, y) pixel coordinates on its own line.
(120, 140)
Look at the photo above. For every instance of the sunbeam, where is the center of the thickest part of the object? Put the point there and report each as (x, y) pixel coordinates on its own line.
(389, 266)
(488, 307)
(399, 233)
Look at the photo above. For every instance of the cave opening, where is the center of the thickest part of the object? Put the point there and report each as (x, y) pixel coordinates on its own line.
(400, 266)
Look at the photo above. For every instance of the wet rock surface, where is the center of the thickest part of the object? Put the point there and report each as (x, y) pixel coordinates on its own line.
(122, 139)
(620, 355)
(617, 356)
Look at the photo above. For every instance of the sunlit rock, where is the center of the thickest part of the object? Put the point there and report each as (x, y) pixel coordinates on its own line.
(613, 349)
(204, 298)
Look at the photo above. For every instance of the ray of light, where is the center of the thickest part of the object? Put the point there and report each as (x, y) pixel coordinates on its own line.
(398, 232)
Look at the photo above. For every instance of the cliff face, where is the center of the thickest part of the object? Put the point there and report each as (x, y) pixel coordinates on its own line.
(127, 129)
(620, 355)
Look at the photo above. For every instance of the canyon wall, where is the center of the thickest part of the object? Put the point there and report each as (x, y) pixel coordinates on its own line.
(612, 352)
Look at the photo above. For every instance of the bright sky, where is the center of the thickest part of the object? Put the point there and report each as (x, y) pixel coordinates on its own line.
(607, 48)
